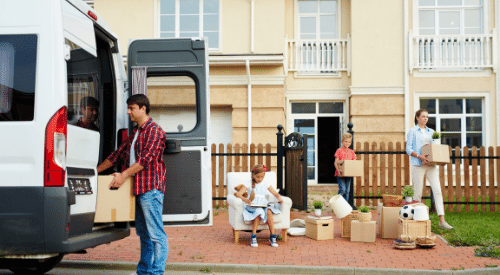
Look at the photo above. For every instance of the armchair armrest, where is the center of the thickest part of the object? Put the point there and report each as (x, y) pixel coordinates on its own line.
(235, 202)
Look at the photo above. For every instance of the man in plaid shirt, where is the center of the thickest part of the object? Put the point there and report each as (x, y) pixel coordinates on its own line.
(143, 153)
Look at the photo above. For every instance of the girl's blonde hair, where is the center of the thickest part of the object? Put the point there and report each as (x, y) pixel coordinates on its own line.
(346, 135)
(257, 169)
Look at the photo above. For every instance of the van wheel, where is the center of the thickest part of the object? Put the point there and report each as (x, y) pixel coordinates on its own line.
(37, 267)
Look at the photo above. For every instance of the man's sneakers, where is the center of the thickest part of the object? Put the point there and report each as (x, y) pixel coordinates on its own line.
(444, 225)
(253, 241)
(272, 239)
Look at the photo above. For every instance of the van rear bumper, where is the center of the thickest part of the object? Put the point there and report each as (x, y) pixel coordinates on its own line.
(34, 220)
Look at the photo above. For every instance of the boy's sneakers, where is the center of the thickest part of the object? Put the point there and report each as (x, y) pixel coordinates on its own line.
(272, 239)
(253, 241)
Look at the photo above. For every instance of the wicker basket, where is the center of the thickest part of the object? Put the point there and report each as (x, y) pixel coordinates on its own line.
(364, 217)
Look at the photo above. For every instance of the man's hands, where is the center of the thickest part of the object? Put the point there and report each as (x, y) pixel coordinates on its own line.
(117, 181)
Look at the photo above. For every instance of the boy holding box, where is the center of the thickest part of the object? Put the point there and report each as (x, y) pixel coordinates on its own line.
(344, 153)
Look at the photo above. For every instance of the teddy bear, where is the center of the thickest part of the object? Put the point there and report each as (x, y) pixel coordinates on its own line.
(245, 195)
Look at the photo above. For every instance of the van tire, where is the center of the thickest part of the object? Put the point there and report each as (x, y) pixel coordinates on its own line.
(37, 267)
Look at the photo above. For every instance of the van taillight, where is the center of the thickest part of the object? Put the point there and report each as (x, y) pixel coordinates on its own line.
(55, 149)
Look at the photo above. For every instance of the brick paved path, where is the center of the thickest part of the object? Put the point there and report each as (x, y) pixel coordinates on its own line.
(214, 244)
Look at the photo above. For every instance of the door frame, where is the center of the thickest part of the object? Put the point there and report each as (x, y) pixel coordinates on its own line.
(291, 117)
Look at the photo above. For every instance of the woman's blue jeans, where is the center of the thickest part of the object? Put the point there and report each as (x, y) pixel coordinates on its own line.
(344, 187)
(149, 228)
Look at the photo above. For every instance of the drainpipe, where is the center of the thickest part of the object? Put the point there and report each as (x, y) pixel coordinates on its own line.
(406, 68)
(249, 88)
(496, 64)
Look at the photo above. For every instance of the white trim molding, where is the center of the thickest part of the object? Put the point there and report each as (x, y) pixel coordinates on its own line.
(460, 74)
(223, 80)
(377, 90)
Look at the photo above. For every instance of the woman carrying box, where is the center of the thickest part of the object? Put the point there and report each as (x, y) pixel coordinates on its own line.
(417, 137)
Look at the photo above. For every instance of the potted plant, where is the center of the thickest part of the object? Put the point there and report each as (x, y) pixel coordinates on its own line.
(318, 205)
(408, 193)
(364, 214)
(436, 138)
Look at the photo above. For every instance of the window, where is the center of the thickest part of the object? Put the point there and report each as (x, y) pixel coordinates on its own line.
(191, 18)
(83, 104)
(450, 17)
(460, 121)
(318, 19)
(319, 51)
(17, 77)
(173, 103)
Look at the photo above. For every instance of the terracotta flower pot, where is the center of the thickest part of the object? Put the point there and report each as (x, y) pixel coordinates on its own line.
(364, 217)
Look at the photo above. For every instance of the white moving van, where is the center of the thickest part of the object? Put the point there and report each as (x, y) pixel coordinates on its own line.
(63, 91)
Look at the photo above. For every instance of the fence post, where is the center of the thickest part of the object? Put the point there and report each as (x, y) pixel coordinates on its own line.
(280, 154)
(351, 191)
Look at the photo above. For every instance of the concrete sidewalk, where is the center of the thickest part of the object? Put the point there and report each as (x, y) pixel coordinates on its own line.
(213, 247)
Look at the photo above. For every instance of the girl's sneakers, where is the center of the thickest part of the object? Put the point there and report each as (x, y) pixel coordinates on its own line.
(272, 239)
(253, 241)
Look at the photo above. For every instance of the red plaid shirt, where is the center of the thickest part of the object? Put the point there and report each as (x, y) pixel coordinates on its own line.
(148, 149)
(344, 154)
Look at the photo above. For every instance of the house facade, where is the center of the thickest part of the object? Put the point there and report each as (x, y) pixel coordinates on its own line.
(316, 65)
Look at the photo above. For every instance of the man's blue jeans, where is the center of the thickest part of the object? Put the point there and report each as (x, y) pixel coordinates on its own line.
(344, 187)
(149, 227)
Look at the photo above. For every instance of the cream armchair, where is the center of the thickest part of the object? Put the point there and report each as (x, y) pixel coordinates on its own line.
(236, 206)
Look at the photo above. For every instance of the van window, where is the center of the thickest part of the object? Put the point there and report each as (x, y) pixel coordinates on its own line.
(83, 103)
(173, 103)
(17, 77)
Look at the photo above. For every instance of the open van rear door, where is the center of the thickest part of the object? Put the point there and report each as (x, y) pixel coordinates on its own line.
(175, 72)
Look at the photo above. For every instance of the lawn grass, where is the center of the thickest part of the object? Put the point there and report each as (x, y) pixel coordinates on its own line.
(470, 229)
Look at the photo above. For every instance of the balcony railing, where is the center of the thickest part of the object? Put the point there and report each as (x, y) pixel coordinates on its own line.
(452, 52)
(326, 56)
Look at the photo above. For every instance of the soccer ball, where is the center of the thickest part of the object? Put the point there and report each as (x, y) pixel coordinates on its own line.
(406, 212)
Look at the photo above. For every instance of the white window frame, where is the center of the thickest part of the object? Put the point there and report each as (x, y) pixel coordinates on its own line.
(416, 9)
(157, 22)
(297, 16)
(486, 114)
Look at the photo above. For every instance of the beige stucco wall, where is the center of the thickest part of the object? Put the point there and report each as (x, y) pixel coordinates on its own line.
(378, 118)
(267, 111)
(128, 19)
(269, 26)
(235, 28)
(377, 43)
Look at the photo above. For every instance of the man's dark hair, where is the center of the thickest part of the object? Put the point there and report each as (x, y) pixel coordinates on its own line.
(140, 100)
(89, 101)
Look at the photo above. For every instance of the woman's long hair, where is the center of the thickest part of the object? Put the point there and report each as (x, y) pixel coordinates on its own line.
(257, 169)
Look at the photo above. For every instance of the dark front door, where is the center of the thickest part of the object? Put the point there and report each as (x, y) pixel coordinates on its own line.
(328, 143)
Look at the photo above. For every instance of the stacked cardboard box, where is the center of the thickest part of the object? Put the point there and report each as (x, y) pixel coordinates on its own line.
(363, 231)
(114, 205)
(414, 229)
(437, 153)
(351, 168)
(319, 229)
(345, 223)
(388, 221)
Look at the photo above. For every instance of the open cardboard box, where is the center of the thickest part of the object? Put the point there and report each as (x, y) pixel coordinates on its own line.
(351, 168)
(114, 205)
